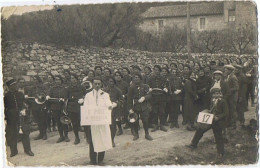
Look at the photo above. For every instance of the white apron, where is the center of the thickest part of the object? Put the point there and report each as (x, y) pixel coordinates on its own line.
(101, 135)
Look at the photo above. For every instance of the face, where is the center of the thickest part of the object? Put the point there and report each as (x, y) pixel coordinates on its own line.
(207, 70)
(73, 80)
(124, 72)
(201, 73)
(135, 70)
(91, 74)
(174, 72)
(97, 84)
(191, 63)
(164, 72)
(193, 76)
(147, 71)
(137, 79)
(196, 66)
(58, 81)
(98, 71)
(173, 66)
(106, 72)
(180, 67)
(50, 79)
(111, 82)
(13, 88)
(186, 70)
(156, 71)
(117, 77)
(217, 95)
(227, 71)
(217, 76)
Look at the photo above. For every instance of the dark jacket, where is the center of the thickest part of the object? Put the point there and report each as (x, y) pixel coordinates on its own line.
(158, 81)
(135, 92)
(57, 92)
(220, 110)
(73, 94)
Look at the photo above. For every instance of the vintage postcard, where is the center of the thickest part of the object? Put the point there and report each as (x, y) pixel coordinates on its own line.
(130, 84)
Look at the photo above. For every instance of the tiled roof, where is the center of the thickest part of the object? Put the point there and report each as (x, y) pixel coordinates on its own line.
(205, 8)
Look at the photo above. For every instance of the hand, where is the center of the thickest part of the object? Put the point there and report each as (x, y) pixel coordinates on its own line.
(165, 89)
(61, 99)
(216, 118)
(177, 91)
(150, 89)
(141, 100)
(248, 75)
(110, 108)
(47, 97)
(114, 104)
(26, 96)
(131, 111)
(23, 113)
(80, 101)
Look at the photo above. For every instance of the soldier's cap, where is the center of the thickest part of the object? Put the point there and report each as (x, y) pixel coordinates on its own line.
(139, 75)
(11, 82)
(137, 67)
(231, 67)
(74, 75)
(108, 70)
(98, 67)
(147, 67)
(158, 66)
(118, 72)
(238, 66)
(212, 63)
(173, 63)
(218, 72)
(167, 70)
(214, 90)
(221, 64)
(126, 69)
(38, 78)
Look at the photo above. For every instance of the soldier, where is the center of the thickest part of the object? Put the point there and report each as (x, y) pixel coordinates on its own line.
(156, 81)
(38, 106)
(105, 77)
(116, 96)
(137, 102)
(98, 71)
(126, 75)
(75, 94)
(17, 118)
(123, 86)
(58, 92)
(147, 74)
(169, 82)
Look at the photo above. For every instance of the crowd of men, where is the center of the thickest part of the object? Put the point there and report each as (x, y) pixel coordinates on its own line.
(156, 94)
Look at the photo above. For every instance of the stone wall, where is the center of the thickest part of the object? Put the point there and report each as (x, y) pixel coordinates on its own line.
(28, 59)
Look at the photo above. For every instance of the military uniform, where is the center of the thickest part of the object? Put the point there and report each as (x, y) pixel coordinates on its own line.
(14, 103)
(74, 93)
(143, 109)
(39, 111)
(116, 96)
(57, 106)
(158, 101)
(203, 85)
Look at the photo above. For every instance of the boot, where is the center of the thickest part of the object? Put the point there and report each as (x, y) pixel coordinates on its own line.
(113, 144)
(126, 126)
(120, 132)
(163, 128)
(136, 137)
(44, 136)
(191, 146)
(148, 137)
(66, 139)
(155, 128)
(172, 125)
(60, 139)
(219, 159)
(77, 141)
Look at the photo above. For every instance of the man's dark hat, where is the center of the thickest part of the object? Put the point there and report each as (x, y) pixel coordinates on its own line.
(147, 67)
(166, 69)
(126, 69)
(137, 67)
(118, 72)
(98, 67)
(11, 82)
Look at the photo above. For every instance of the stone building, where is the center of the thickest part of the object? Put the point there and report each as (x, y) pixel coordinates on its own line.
(203, 16)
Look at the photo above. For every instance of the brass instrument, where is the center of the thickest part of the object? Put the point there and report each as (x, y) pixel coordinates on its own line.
(39, 99)
(132, 117)
(65, 119)
(87, 85)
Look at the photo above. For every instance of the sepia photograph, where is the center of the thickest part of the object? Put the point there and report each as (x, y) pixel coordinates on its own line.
(170, 83)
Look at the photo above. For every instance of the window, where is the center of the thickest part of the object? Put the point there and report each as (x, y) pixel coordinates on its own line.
(202, 23)
(160, 25)
(231, 15)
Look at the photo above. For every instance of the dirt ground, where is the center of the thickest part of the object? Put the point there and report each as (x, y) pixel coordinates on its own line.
(167, 148)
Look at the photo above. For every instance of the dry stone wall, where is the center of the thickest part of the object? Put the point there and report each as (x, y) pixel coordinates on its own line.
(28, 59)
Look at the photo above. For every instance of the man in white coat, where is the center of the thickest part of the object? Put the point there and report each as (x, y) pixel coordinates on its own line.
(96, 107)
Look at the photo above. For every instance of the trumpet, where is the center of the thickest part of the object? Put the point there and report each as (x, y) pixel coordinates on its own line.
(39, 99)
(87, 85)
